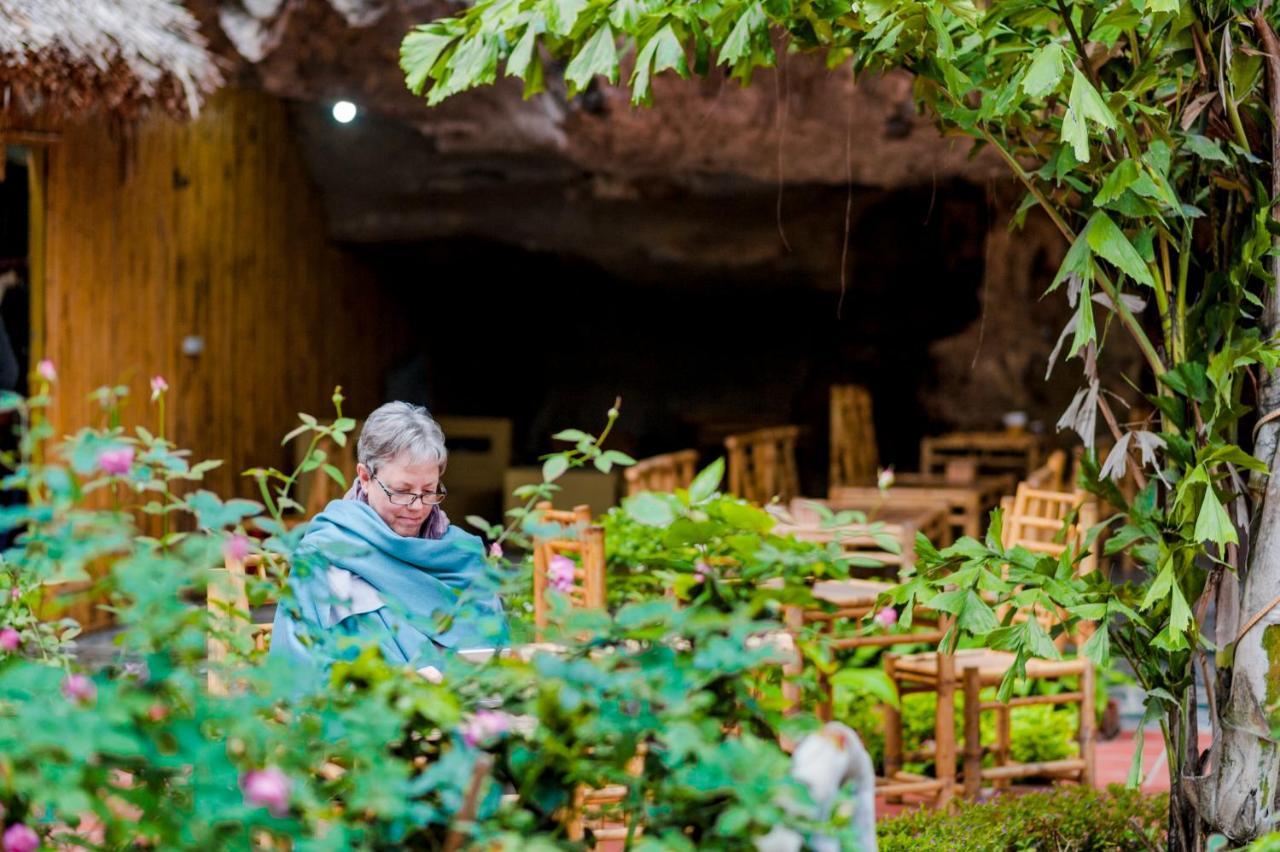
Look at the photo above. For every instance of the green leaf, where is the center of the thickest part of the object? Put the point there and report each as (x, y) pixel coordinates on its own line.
(649, 509)
(573, 436)
(1179, 612)
(738, 45)
(704, 485)
(1045, 71)
(1098, 647)
(563, 14)
(420, 51)
(335, 475)
(518, 66)
(1120, 179)
(554, 467)
(598, 56)
(977, 617)
(1108, 241)
(1159, 588)
(1083, 105)
(1213, 523)
(868, 681)
(1205, 148)
(1085, 330)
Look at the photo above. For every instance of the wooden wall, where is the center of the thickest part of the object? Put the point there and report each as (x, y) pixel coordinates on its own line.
(163, 230)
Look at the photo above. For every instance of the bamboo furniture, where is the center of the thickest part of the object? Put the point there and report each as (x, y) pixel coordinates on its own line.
(1017, 453)
(228, 601)
(967, 504)
(664, 473)
(1044, 522)
(854, 453)
(901, 521)
(762, 464)
(853, 600)
(578, 537)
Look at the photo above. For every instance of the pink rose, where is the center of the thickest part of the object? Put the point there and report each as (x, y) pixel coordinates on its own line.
(20, 838)
(9, 640)
(236, 548)
(79, 689)
(495, 550)
(46, 371)
(886, 617)
(117, 461)
(267, 788)
(158, 386)
(561, 573)
(485, 726)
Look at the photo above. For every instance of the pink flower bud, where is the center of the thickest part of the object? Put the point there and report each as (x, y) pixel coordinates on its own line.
(236, 548)
(9, 640)
(79, 689)
(267, 788)
(117, 461)
(157, 712)
(495, 550)
(887, 617)
(885, 479)
(701, 571)
(561, 573)
(46, 371)
(158, 386)
(21, 838)
(485, 726)
(15, 593)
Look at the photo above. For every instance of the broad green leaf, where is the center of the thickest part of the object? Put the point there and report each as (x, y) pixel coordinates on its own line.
(1213, 523)
(1109, 242)
(554, 467)
(598, 56)
(1159, 588)
(1085, 331)
(419, 52)
(1205, 148)
(738, 45)
(518, 66)
(1098, 647)
(1179, 612)
(1045, 71)
(1083, 105)
(704, 485)
(649, 509)
(1120, 179)
(563, 14)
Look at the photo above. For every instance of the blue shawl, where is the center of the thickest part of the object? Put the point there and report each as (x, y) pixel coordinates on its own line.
(432, 594)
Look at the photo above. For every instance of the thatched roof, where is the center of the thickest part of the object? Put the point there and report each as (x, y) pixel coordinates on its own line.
(68, 56)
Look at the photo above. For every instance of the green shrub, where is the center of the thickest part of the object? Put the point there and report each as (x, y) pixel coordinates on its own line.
(1068, 819)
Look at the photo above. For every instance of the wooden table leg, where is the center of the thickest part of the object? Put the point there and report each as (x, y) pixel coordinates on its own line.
(972, 734)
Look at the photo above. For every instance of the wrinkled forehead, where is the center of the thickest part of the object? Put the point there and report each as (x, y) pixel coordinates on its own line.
(405, 472)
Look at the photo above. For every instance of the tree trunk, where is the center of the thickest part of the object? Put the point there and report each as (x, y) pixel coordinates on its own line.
(1241, 793)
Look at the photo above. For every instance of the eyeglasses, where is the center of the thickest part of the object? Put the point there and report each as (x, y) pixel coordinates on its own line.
(408, 498)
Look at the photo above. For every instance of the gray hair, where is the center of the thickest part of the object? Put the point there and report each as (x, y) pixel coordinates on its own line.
(398, 428)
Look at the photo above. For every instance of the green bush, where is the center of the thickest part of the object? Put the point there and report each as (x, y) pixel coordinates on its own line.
(1068, 819)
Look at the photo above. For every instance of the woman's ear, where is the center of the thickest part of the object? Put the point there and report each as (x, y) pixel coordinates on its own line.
(363, 473)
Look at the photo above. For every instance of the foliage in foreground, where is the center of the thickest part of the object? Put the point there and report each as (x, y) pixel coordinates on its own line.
(380, 757)
(1068, 819)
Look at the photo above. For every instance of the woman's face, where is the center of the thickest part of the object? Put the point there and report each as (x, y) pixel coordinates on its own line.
(405, 476)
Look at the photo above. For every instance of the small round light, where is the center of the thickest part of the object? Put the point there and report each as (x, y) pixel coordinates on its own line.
(344, 112)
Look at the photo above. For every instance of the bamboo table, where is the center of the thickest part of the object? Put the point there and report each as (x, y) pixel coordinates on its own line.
(992, 452)
(900, 521)
(967, 504)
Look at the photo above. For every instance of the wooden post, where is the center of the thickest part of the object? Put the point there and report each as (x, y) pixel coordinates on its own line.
(1003, 738)
(1088, 738)
(972, 733)
(892, 729)
(793, 618)
(945, 729)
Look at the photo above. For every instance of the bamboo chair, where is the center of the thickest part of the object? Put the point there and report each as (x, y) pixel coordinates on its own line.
(664, 473)
(855, 456)
(1040, 521)
(578, 537)
(227, 595)
(762, 464)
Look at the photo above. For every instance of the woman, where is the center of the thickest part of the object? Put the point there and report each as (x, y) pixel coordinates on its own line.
(384, 565)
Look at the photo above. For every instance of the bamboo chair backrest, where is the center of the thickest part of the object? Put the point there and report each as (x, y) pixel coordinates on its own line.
(762, 464)
(227, 592)
(578, 537)
(664, 473)
(1036, 522)
(1049, 476)
(855, 456)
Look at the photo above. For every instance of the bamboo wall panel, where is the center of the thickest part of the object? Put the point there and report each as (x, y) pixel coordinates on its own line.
(162, 230)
